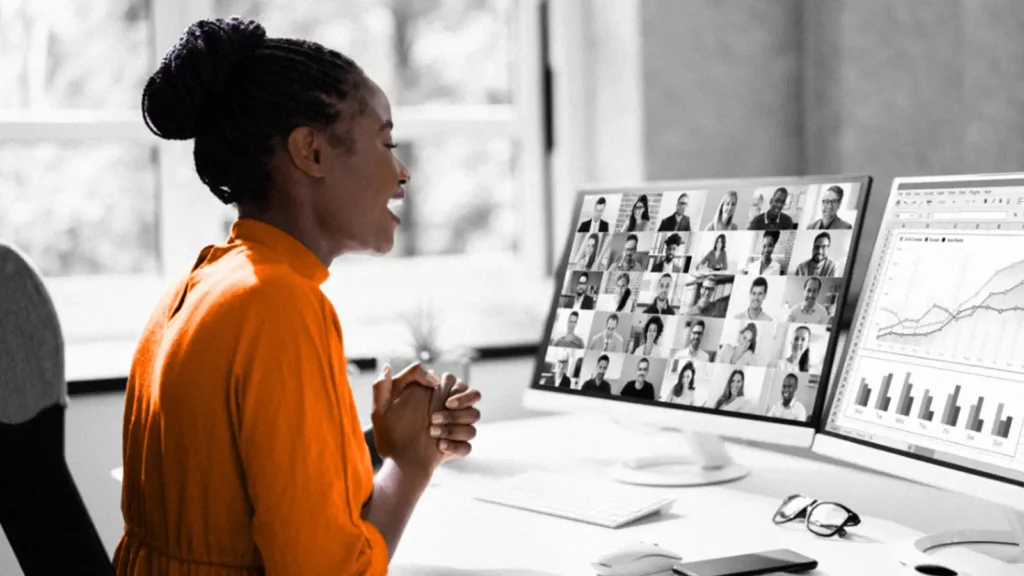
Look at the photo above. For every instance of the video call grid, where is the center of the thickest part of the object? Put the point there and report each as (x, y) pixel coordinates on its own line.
(679, 300)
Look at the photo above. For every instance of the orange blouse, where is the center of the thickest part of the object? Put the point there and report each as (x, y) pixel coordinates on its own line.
(242, 448)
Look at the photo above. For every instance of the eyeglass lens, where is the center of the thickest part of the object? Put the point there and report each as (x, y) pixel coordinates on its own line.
(792, 508)
(827, 519)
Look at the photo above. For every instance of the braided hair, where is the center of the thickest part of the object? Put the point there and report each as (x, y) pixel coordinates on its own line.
(240, 94)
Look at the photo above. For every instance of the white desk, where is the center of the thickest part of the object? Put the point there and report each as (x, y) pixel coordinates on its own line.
(451, 533)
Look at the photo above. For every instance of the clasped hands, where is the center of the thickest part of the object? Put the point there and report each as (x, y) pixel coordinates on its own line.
(408, 431)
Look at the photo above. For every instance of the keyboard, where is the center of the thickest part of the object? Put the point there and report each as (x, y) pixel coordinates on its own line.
(574, 498)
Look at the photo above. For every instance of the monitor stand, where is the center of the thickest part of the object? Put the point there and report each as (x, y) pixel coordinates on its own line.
(999, 553)
(708, 462)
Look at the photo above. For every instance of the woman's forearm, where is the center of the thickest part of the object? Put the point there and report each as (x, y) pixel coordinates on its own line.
(395, 494)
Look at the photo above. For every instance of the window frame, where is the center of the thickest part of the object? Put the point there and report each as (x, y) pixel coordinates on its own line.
(102, 316)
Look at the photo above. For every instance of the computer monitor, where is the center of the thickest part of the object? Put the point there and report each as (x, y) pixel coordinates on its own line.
(710, 307)
(932, 385)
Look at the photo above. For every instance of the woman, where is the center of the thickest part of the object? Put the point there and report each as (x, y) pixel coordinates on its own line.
(732, 398)
(726, 210)
(625, 301)
(716, 259)
(639, 216)
(799, 359)
(588, 253)
(683, 391)
(243, 452)
(648, 340)
(743, 353)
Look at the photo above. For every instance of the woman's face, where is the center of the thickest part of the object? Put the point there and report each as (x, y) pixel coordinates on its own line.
(736, 385)
(719, 243)
(652, 332)
(622, 286)
(687, 377)
(638, 210)
(591, 246)
(800, 341)
(355, 183)
(743, 341)
(730, 206)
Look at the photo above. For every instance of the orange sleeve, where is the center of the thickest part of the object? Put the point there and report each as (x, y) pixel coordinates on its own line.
(307, 478)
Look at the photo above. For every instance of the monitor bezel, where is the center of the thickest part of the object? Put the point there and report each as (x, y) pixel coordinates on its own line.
(947, 475)
(840, 317)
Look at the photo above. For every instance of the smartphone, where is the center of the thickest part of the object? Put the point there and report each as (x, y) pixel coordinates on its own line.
(781, 560)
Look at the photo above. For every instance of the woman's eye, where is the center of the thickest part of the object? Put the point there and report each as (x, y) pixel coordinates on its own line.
(391, 145)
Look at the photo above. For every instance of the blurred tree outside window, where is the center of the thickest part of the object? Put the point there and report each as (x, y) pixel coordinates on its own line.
(92, 206)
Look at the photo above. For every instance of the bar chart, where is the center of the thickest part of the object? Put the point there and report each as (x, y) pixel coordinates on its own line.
(961, 408)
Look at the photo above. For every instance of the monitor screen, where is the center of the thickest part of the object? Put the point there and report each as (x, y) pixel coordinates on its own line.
(935, 359)
(722, 296)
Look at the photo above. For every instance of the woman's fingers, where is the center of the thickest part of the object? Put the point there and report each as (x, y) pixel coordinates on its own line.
(457, 432)
(455, 449)
(464, 399)
(464, 416)
(414, 372)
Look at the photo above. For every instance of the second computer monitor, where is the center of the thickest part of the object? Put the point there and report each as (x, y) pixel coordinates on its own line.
(712, 298)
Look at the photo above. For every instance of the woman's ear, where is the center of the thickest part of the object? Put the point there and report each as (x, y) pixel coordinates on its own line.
(305, 148)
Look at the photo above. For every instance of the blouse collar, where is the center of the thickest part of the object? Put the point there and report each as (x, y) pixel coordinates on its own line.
(300, 258)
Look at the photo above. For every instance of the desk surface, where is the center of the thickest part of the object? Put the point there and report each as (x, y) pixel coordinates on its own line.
(452, 533)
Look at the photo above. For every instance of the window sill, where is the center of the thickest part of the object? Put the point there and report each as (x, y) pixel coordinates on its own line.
(481, 301)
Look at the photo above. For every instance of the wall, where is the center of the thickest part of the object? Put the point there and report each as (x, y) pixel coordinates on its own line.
(737, 88)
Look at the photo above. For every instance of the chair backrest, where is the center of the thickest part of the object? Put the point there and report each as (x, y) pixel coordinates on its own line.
(31, 345)
(41, 511)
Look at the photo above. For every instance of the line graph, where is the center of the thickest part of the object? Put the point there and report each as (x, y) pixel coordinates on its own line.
(955, 297)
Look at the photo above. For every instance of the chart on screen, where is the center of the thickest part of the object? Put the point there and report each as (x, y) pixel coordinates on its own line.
(953, 296)
(939, 404)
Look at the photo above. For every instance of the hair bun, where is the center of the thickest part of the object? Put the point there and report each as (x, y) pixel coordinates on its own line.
(197, 68)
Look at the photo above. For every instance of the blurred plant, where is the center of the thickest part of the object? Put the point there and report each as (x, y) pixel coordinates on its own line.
(426, 344)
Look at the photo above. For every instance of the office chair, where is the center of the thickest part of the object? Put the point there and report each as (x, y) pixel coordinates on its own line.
(41, 510)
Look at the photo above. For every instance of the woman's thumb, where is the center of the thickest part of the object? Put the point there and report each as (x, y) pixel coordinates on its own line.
(382, 390)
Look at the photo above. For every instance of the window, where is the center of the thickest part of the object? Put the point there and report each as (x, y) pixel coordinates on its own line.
(111, 214)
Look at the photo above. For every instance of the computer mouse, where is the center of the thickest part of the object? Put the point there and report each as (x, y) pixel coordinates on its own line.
(636, 559)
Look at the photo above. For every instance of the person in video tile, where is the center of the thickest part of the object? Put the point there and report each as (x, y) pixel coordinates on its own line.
(703, 304)
(597, 383)
(716, 259)
(625, 300)
(595, 221)
(651, 335)
(830, 204)
(608, 340)
(570, 339)
(639, 218)
(732, 398)
(693, 351)
(758, 291)
(809, 311)
(639, 388)
(788, 408)
(799, 359)
(583, 301)
(682, 392)
(660, 304)
(586, 259)
(669, 263)
(628, 262)
(766, 266)
(724, 215)
(560, 378)
(774, 218)
(678, 221)
(743, 353)
(819, 264)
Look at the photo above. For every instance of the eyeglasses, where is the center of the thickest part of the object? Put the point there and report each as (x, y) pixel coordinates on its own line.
(830, 202)
(822, 518)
